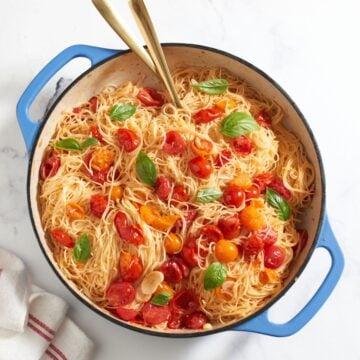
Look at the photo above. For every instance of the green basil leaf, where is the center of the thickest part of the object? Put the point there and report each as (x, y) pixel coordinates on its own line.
(238, 124)
(212, 87)
(279, 203)
(89, 142)
(161, 298)
(122, 111)
(82, 249)
(215, 276)
(145, 169)
(68, 144)
(207, 195)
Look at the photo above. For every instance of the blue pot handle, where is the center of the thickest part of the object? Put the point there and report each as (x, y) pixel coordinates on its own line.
(30, 128)
(261, 323)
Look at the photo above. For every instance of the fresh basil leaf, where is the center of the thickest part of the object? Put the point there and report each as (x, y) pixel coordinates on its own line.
(212, 87)
(161, 298)
(89, 142)
(68, 144)
(215, 276)
(82, 249)
(237, 124)
(207, 195)
(279, 203)
(145, 169)
(122, 111)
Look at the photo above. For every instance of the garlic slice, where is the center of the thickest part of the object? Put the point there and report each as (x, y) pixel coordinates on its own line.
(151, 282)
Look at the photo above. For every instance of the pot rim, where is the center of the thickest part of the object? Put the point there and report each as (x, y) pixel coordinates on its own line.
(281, 293)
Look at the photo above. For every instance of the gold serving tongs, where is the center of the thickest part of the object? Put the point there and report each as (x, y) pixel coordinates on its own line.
(156, 60)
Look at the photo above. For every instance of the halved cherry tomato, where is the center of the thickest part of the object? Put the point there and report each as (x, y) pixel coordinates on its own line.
(130, 267)
(130, 233)
(172, 271)
(195, 320)
(252, 218)
(172, 243)
(120, 293)
(263, 180)
(230, 227)
(126, 314)
(95, 133)
(242, 145)
(200, 167)
(222, 104)
(223, 158)
(116, 193)
(74, 211)
(182, 265)
(49, 167)
(98, 205)
(128, 139)
(211, 233)
(97, 176)
(190, 256)
(62, 238)
(263, 119)
(226, 251)
(278, 185)
(252, 247)
(162, 187)
(206, 115)
(267, 234)
(102, 159)
(180, 194)
(252, 192)
(201, 147)
(93, 104)
(150, 97)
(274, 256)
(154, 314)
(233, 196)
(174, 144)
(185, 302)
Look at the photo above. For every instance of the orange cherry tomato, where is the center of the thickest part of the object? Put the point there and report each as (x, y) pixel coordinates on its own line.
(201, 146)
(226, 251)
(130, 267)
(242, 180)
(102, 159)
(116, 193)
(164, 287)
(222, 294)
(252, 218)
(268, 276)
(62, 238)
(74, 211)
(172, 243)
(226, 103)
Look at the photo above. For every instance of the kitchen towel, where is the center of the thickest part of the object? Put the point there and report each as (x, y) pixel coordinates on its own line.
(33, 323)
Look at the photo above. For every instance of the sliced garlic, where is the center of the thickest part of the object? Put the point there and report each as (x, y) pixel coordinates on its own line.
(207, 326)
(141, 297)
(151, 282)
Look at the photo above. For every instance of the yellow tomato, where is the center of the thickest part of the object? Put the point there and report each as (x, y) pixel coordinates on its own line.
(116, 193)
(201, 146)
(102, 159)
(172, 243)
(252, 218)
(74, 211)
(242, 180)
(226, 251)
(222, 104)
(268, 276)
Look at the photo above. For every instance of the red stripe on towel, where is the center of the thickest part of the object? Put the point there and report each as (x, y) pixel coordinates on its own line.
(58, 351)
(39, 322)
(39, 332)
(51, 355)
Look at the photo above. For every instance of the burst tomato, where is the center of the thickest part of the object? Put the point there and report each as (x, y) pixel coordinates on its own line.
(98, 177)
(190, 256)
(263, 119)
(120, 293)
(223, 158)
(274, 256)
(201, 147)
(162, 187)
(74, 211)
(267, 234)
(278, 185)
(200, 167)
(93, 104)
(185, 302)
(95, 133)
(205, 116)
(252, 192)
(172, 271)
(98, 205)
(174, 144)
(62, 238)
(234, 196)
(130, 233)
(180, 194)
(130, 267)
(242, 145)
(195, 321)
(211, 233)
(230, 227)
(263, 180)
(49, 167)
(128, 139)
(150, 97)
(252, 247)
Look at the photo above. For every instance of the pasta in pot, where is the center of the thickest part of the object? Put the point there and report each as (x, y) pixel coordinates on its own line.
(145, 204)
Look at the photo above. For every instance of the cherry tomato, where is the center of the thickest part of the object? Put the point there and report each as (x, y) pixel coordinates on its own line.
(252, 218)
(278, 185)
(97, 176)
(234, 196)
(252, 247)
(223, 158)
(116, 193)
(242, 145)
(164, 287)
(150, 97)
(274, 256)
(200, 167)
(180, 194)
(204, 116)
(130, 233)
(98, 205)
(196, 320)
(189, 215)
(267, 234)
(226, 251)
(201, 147)
(62, 238)
(154, 314)
(77, 110)
(252, 192)
(190, 256)
(263, 119)
(172, 271)
(120, 293)
(185, 302)
(49, 167)
(130, 267)
(74, 211)
(263, 180)
(162, 187)
(95, 133)
(126, 314)
(172, 243)
(175, 321)
(211, 233)
(128, 139)
(102, 159)
(182, 265)
(93, 104)
(230, 227)
(226, 103)
(175, 144)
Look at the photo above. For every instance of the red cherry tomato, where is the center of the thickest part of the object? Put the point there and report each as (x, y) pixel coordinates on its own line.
(162, 187)
(98, 205)
(126, 314)
(234, 196)
(185, 302)
(154, 314)
(183, 267)
(190, 215)
(196, 320)
(175, 320)
(93, 104)
(128, 139)
(252, 247)
(230, 227)
(206, 115)
(263, 180)
(211, 233)
(263, 119)
(150, 97)
(223, 158)
(120, 293)
(175, 144)
(130, 233)
(278, 185)
(98, 177)
(77, 110)
(180, 194)
(130, 267)
(268, 235)
(172, 271)
(62, 238)
(95, 133)
(252, 192)
(190, 256)
(49, 167)
(242, 145)
(274, 256)
(200, 167)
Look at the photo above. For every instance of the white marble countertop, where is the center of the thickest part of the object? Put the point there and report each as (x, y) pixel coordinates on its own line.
(310, 47)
